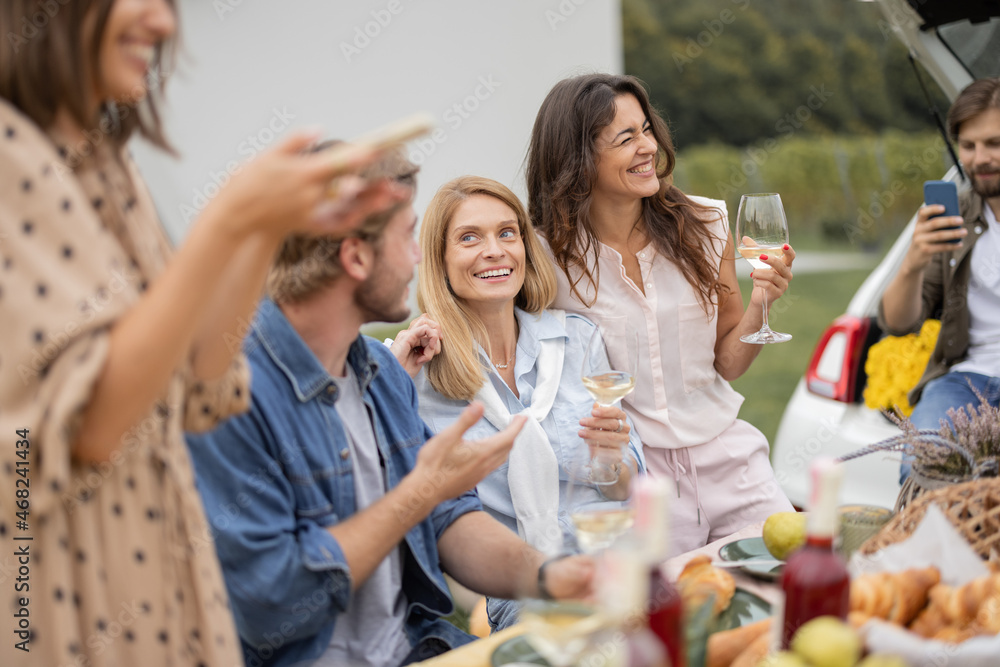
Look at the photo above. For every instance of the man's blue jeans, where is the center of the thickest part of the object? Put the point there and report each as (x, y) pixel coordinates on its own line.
(951, 390)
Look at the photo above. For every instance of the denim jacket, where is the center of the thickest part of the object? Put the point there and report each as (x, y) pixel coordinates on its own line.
(274, 479)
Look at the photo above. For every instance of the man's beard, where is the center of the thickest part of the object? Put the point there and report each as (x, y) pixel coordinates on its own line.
(986, 191)
(379, 303)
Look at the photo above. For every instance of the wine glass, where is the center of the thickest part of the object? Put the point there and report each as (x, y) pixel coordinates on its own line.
(562, 631)
(761, 228)
(598, 476)
(600, 512)
(608, 374)
(610, 364)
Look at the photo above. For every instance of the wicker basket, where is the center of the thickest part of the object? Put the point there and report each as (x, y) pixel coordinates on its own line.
(972, 507)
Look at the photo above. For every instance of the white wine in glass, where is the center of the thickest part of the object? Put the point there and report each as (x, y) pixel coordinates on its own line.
(608, 374)
(761, 229)
(562, 631)
(598, 527)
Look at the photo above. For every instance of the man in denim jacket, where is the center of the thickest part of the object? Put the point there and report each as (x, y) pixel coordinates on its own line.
(334, 507)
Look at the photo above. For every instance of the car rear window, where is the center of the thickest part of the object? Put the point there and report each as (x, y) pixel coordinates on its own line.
(976, 45)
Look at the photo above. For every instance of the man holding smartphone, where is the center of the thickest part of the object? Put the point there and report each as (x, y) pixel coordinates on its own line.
(952, 272)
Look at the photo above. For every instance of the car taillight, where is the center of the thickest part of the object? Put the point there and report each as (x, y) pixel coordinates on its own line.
(837, 361)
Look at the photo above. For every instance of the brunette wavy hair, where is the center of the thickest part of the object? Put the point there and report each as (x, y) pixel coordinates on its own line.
(562, 171)
(49, 61)
(457, 371)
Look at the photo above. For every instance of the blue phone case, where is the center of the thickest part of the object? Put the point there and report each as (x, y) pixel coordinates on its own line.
(944, 193)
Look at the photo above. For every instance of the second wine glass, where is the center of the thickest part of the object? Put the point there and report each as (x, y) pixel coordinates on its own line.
(599, 473)
(761, 229)
(608, 374)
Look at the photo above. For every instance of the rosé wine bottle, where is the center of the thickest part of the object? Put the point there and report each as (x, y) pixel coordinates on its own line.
(815, 580)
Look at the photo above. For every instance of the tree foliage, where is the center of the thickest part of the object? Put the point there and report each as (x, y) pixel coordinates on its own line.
(736, 72)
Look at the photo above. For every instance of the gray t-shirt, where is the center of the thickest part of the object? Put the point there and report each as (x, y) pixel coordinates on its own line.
(370, 631)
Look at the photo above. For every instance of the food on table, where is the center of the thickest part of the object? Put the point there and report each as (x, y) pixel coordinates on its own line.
(893, 596)
(723, 647)
(827, 641)
(957, 613)
(700, 579)
(479, 622)
(753, 653)
(784, 532)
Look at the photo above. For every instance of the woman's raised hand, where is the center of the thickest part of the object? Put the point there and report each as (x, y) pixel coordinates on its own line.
(287, 190)
(606, 427)
(417, 344)
(774, 280)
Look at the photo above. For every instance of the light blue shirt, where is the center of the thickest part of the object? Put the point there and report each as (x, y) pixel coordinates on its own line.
(561, 425)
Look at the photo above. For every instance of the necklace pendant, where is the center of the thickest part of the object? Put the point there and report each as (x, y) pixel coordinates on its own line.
(502, 366)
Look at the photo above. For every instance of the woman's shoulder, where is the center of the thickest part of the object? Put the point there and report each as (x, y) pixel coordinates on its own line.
(708, 202)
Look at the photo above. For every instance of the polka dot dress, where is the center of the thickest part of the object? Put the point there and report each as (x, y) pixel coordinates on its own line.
(122, 567)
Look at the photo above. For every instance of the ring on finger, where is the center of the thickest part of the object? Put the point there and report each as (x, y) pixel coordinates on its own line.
(621, 425)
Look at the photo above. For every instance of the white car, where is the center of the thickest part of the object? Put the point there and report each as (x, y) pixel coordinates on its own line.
(956, 42)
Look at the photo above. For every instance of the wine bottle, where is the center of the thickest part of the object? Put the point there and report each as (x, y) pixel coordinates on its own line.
(815, 581)
(665, 612)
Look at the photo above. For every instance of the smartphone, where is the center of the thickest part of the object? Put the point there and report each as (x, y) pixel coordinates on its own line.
(946, 194)
(387, 136)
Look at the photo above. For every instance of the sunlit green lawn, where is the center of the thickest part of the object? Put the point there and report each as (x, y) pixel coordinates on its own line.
(813, 301)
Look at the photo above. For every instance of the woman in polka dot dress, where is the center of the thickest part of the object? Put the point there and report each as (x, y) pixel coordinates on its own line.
(112, 344)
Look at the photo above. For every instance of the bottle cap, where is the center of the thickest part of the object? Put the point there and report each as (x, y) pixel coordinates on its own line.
(827, 475)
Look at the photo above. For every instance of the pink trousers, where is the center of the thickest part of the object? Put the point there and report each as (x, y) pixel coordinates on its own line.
(722, 486)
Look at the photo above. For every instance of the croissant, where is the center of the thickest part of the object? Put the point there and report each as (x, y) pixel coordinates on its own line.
(894, 596)
(699, 579)
(956, 613)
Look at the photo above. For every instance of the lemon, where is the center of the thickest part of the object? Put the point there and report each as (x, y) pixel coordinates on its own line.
(827, 641)
(784, 532)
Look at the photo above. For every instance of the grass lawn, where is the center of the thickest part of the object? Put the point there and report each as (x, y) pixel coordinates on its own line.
(812, 302)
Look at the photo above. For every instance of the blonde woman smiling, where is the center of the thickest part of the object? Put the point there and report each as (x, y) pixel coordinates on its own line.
(486, 281)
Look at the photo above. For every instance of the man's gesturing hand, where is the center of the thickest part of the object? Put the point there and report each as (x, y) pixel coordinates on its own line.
(448, 465)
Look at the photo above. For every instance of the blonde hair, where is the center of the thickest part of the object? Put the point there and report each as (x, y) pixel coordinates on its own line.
(457, 371)
(306, 264)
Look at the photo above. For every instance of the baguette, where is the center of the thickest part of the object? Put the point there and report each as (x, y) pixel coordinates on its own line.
(755, 652)
(723, 647)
